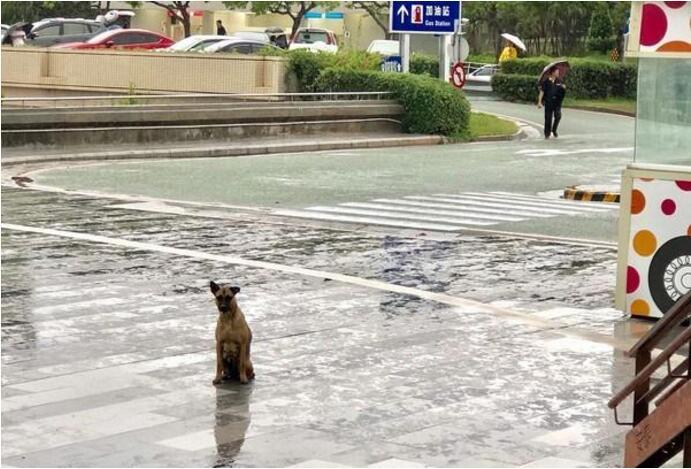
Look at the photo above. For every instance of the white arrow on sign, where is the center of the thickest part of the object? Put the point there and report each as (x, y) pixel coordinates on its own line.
(403, 11)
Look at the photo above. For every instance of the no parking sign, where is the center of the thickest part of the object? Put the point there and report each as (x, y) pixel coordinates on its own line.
(458, 75)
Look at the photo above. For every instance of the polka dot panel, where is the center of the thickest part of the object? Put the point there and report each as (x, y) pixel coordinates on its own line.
(665, 27)
(660, 221)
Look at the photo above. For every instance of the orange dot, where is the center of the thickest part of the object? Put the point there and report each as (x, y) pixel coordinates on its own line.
(646, 179)
(644, 243)
(688, 231)
(675, 46)
(637, 201)
(640, 308)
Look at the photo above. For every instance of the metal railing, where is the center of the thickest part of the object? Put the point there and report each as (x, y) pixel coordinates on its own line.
(129, 100)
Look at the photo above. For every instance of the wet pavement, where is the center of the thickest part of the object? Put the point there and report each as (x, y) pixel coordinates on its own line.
(107, 349)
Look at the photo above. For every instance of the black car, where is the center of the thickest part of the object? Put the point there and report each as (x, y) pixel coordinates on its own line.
(52, 31)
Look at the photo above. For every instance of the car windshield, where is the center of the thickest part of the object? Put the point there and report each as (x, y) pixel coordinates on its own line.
(385, 47)
(310, 37)
(252, 35)
(204, 44)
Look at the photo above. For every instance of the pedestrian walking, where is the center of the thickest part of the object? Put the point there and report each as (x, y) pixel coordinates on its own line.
(220, 30)
(552, 92)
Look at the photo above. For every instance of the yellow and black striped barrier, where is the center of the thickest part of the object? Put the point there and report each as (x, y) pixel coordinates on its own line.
(572, 193)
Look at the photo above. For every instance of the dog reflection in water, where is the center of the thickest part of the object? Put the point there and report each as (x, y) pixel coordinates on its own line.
(232, 422)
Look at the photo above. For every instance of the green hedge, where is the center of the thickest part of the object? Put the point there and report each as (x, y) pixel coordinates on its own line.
(588, 79)
(307, 65)
(423, 64)
(515, 87)
(431, 106)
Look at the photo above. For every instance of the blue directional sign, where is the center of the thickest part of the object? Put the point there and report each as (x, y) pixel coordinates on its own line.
(424, 17)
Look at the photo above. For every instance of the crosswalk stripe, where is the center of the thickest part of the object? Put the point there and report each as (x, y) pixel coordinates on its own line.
(547, 202)
(523, 205)
(466, 213)
(479, 201)
(401, 216)
(522, 202)
(367, 220)
(462, 206)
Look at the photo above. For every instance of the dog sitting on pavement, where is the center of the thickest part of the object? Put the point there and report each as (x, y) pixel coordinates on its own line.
(233, 337)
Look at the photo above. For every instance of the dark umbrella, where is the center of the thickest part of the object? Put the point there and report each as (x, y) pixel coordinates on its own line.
(562, 65)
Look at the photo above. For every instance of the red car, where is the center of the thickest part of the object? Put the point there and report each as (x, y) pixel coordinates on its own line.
(122, 39)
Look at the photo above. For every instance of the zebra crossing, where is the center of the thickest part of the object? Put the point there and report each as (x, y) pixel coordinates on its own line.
(448, 212)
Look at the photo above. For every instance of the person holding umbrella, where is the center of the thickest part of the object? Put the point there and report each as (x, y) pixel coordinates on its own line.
(509, 52)
(552, 92)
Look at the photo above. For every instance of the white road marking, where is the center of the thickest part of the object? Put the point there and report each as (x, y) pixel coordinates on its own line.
(464, 206)
(465, 304)
(480, 202)
(519, 201)
(367, 220)
(400, 216)
(472, 213)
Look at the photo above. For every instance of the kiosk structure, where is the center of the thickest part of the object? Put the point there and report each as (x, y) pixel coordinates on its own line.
(654, 260)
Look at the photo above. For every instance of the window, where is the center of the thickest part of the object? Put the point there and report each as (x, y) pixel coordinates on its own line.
(241, 48)
(145, 38)
(310, 37)
(48, 30)
(203, 44)
(126, 37)
(75, 28)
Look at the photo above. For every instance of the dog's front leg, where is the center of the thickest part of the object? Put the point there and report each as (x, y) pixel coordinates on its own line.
(242, 364)
(219, 363)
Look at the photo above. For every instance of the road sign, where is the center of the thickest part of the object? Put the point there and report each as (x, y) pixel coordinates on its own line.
(458, 75)
(424, 16)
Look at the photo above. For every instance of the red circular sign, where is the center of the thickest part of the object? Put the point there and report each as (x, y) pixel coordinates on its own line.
(458, 75)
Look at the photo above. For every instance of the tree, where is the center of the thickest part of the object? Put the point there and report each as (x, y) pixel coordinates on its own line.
(600, 34)
(180, 11)
(295, 10)
(30, 12)
(378, 11)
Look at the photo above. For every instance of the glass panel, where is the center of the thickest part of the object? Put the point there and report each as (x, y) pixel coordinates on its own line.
(74, 28)
(664, 111)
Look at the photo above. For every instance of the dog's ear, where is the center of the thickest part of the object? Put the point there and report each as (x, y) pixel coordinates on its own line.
(235, 290)
(214, 287)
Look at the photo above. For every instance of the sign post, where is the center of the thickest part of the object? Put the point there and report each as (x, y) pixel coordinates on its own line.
(439, 17)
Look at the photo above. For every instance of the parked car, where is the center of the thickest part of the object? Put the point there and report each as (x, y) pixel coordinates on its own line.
(51, 31)
(277, 36)
(4, 31)
(483, 74)
(194, 43)
(314, 39)
(236, 45)
(254, 35)
(384, 47)
(122, 39)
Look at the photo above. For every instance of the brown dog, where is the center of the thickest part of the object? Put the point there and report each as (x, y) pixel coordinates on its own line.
(233, 337)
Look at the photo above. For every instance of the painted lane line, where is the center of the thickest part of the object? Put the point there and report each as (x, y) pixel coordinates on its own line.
(555, 152)
(523, 203)
(453, 213)
(468, 305)
(366, 220)
(466, 206)
(479, 201)
(400, 216)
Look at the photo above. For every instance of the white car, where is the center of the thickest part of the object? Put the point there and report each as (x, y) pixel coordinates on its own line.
(483, 74)
(237, 45)
(194, 43)
(256, 35)
(315, 40)
(384, 47)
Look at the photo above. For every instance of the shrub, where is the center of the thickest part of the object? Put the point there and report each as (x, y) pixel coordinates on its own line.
(514, 87)
(591, 79)
(307, 65)
(423, 64)
(430, 106)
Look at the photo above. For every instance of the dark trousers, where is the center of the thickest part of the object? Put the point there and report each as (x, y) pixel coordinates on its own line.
(552, 118)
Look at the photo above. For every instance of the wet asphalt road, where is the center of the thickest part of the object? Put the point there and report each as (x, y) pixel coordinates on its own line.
(107, 351)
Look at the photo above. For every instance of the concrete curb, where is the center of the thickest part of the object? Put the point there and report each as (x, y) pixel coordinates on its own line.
(227, 150)
(572, 193)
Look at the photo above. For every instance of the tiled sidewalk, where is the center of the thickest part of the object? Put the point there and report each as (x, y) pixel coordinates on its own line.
(108, 352)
